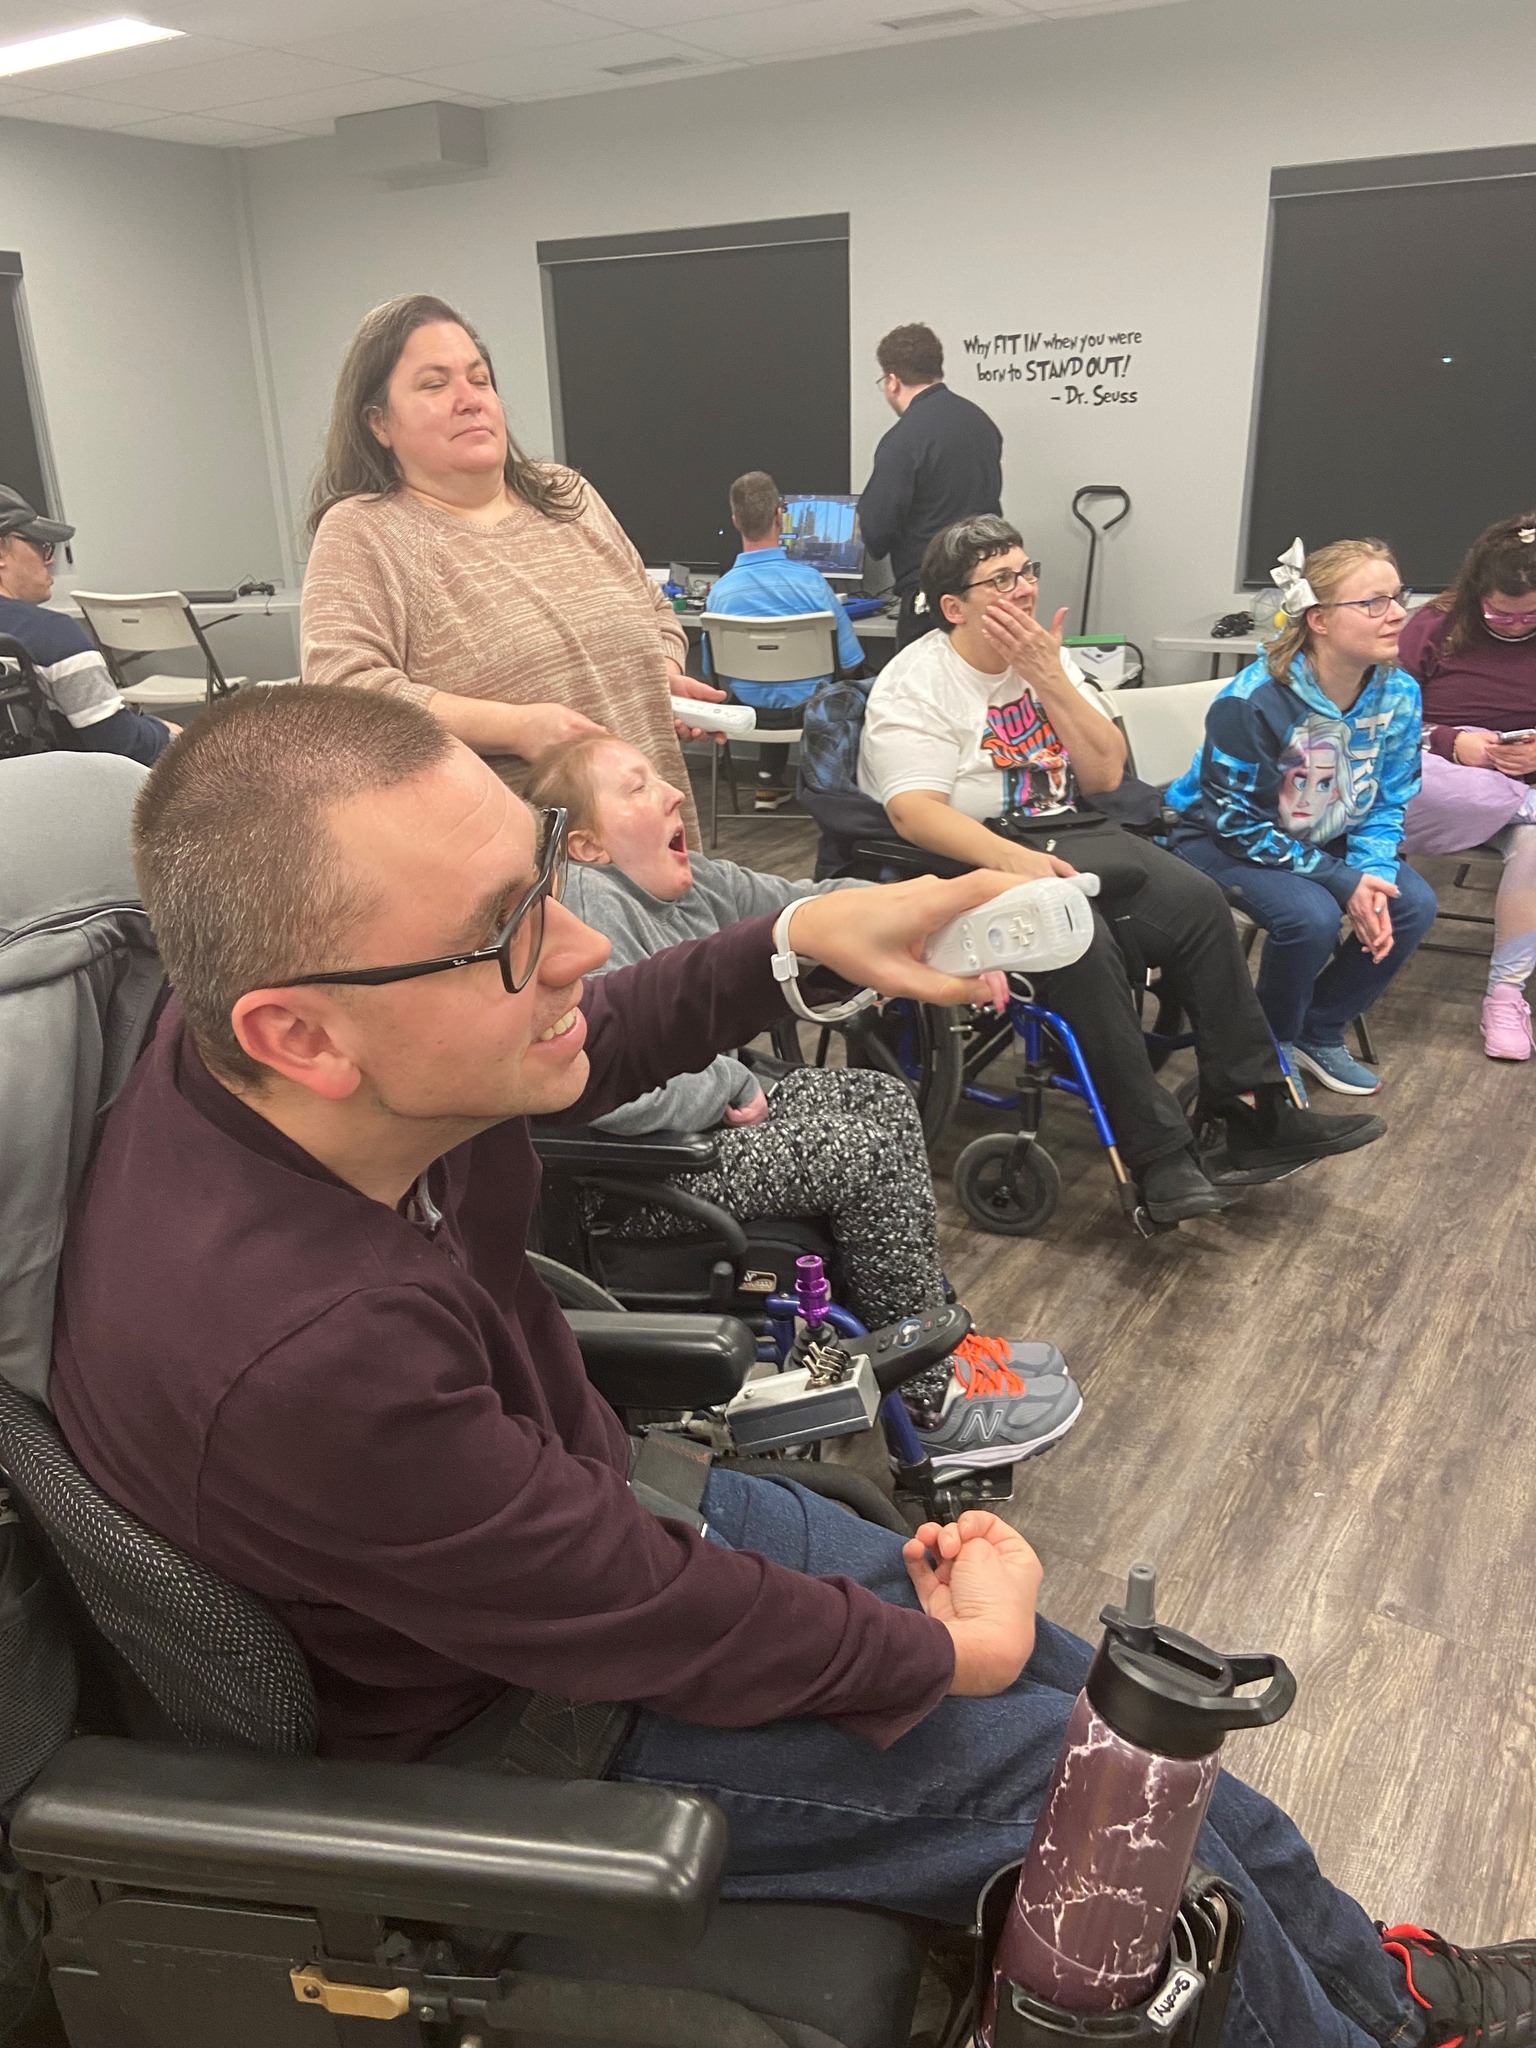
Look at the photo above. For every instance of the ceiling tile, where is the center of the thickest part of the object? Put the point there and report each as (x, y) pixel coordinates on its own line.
(272, 22)
(205, 129)
(73, 111)
(463, 35)
(227, 81)
(578, 69)
(86, 73)
(324, 103)
(664, 14)
(806, 25)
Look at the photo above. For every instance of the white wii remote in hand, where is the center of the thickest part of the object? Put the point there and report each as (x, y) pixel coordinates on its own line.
(736, 719)
(1028, 930)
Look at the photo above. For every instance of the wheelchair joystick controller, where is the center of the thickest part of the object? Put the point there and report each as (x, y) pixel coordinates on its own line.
(1088, 1931)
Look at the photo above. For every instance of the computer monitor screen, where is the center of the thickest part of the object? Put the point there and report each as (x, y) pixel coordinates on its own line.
(824, 531)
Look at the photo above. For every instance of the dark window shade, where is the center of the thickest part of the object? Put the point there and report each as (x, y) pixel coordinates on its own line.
(678, 372)
(1363, 426)
(21, 464)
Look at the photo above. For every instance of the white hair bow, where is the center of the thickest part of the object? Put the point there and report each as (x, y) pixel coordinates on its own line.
(1296, 593)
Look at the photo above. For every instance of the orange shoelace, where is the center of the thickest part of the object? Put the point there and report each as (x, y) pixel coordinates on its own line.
(981, 1366)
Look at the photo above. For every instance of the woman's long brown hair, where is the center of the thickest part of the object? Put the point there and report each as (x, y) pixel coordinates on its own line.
(1502, 558)
(357, 464)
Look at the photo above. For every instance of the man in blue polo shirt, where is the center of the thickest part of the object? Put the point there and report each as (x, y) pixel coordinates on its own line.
(764, 583)
(71, 671)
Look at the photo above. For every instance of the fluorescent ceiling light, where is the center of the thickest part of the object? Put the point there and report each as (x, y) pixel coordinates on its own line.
(95, 40)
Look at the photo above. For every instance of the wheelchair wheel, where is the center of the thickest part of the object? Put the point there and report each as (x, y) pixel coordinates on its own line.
(1010, 1200)
(570, 1288)
(920, 1045)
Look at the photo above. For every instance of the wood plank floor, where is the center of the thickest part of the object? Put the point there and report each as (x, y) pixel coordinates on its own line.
(1317, 1416)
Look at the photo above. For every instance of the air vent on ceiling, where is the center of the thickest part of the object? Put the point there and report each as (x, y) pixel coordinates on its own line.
(646, 65)
(946, 17)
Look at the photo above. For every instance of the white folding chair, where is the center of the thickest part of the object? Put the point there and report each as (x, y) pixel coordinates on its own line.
(797, 647)
(1164, 727)
(126, 629)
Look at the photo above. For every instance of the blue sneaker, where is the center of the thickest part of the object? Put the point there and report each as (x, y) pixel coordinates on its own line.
(1336, 1069)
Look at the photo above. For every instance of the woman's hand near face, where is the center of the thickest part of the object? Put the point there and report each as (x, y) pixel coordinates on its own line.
(1032, 649)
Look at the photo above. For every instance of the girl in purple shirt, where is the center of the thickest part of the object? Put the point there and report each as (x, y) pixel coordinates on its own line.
(1474, 653)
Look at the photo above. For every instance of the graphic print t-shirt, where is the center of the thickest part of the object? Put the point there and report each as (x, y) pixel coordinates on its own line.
(986, 742)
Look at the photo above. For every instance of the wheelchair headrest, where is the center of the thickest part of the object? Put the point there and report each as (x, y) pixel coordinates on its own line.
(79, 981)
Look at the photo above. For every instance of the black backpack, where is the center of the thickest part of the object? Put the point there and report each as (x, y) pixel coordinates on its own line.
(28, 722)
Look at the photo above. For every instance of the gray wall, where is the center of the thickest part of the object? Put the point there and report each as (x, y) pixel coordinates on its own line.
(133, 279)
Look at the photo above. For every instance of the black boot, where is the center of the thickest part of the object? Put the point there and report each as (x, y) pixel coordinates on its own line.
(1174, 1189)
(1468, 1995)
(1274, 1137)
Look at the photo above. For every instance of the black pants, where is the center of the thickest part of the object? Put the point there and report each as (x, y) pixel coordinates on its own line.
(774, 761)
(1188, 933)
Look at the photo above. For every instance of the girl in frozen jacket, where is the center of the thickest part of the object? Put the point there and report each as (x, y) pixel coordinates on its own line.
(1296, 801)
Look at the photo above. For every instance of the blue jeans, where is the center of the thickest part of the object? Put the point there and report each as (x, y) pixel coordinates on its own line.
(921, 1826)
(1309, 985)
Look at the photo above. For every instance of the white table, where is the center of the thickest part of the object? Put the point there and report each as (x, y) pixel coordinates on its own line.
(1195, 638)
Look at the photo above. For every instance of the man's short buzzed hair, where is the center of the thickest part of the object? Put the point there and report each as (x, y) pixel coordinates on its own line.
(915, 354)
(755, 504)
(238, 870)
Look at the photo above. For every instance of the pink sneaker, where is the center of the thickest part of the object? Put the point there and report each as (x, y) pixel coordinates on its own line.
(1506, 1023)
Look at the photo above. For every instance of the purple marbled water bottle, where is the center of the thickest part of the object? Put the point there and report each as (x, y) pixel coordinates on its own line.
(1089, 1926)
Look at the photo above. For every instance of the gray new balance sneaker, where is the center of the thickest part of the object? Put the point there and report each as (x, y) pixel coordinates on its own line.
(1006, 1402)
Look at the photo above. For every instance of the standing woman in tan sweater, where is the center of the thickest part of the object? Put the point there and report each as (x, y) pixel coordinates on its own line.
(499, 592)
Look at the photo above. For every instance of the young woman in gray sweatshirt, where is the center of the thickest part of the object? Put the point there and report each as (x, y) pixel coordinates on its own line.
(837, 1143)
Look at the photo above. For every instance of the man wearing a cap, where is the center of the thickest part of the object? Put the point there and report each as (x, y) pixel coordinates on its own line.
(74, 677)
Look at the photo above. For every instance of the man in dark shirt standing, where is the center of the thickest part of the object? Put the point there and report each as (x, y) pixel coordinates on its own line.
(942, 461)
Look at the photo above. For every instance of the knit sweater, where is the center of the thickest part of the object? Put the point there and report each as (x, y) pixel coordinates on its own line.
(638, 924)
(404, 597)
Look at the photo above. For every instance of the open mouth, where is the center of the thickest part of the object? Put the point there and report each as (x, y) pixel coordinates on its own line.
(560, 1026)
(678, 843)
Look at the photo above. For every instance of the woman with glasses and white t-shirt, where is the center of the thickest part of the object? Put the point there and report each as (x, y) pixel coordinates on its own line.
(985, 744)
(1296, 801)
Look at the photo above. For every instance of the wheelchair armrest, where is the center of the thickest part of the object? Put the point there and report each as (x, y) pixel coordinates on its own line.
(906, 858)
(663, 1361)
(624, 1863)
(582, 1148)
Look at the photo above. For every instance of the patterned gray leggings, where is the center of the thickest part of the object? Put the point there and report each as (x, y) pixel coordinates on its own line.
(846, 1145)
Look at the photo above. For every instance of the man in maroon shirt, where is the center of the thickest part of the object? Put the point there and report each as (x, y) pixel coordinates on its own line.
(299, 1336)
